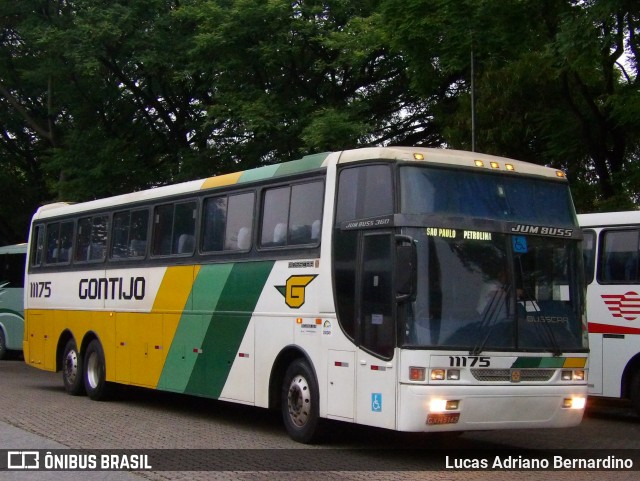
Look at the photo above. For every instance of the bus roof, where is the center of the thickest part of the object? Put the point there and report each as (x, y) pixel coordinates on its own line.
(631, 217)
(447, 157)
(14, 249)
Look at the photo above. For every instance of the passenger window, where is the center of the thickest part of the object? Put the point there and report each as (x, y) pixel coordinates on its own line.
(91, 242)
(37, 247)
(619, 259)
(292, 216)
(305, 213)
(274, 217)
(130, 234)
(215, 221)
(228, 223)
(59, 242)
(239, 222)
(174, 229)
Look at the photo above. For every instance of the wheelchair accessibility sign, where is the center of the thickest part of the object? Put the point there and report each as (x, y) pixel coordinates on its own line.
(376, 402)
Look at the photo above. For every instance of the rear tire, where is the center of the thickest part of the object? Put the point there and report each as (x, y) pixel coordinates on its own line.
(72, 369)
(300, 402)
(95, 372)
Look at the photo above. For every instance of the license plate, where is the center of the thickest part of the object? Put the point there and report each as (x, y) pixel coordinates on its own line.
(443, 418)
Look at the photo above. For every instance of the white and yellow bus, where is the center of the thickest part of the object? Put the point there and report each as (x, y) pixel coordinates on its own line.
(405, 288)
(12, 261)
(612, 256)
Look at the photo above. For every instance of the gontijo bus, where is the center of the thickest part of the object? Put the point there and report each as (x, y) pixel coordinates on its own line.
(612, 265)
(410, 289)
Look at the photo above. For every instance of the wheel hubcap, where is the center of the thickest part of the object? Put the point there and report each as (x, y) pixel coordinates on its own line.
(299, 401)
(93, 370)
(71, 367)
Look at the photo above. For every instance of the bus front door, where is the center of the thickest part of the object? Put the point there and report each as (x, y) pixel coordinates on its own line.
(375, 363)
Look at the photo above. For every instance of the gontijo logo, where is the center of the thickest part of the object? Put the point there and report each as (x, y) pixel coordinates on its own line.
(625, 305)
(294, 290)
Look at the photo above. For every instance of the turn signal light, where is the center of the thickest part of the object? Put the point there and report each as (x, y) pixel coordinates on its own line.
(417, 373)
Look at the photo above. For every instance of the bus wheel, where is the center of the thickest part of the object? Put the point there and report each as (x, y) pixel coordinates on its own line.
(300, 402)
(72, 369)
(95, 377)
(3, 345)
(635, 391)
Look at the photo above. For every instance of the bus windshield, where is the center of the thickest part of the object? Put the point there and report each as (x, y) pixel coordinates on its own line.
(481, 195)
(490, 290)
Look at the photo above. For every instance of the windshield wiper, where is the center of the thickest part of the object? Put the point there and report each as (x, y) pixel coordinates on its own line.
(490, 316)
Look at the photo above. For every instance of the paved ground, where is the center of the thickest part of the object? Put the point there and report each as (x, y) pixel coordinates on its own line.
(35, 413)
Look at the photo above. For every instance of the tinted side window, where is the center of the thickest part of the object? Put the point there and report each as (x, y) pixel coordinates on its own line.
(291, 215)
(365, 191)
(59, 242)
(130, 234)
(91, 241)
(174, 229)
(619, 257)
(305, 213)
(275, 217)
(239, 222)
(12, 270)
(215, 222)
(37, 245)
(589, 254)
(228, 223)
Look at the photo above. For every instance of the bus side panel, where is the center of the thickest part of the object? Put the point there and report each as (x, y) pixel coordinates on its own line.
(613, 339)
(35, 335)
(616, 354)
(186, 342)
(225, 296)
(286, 315)
(595, 364)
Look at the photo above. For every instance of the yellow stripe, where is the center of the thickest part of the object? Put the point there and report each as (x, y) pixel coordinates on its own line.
(575, 362)
(221, 180)
(171, 299)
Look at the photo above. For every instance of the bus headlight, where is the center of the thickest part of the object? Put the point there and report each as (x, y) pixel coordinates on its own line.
(442, 374)
(575, 402)
(442, 405)
(573, 375)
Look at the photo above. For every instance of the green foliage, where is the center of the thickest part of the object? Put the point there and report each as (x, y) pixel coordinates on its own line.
(102, 97)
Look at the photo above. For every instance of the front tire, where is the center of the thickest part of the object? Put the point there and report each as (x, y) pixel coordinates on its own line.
(300, 402)
(95, 372)
(72, 369)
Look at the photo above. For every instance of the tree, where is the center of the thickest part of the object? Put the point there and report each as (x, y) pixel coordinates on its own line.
(114, 96)
(549, 79)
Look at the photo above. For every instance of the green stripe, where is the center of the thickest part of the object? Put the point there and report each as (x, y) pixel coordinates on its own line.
(190, 333)
(260, 173)
(226, 328)
(304, 164)
(538, 362)
(309, 162)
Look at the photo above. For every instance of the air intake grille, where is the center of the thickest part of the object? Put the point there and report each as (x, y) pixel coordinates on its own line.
(502, 375)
